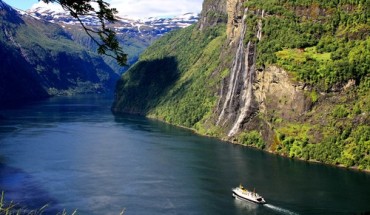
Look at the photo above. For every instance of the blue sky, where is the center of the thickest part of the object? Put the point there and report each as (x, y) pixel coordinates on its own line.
(21, 4)
(136, 8)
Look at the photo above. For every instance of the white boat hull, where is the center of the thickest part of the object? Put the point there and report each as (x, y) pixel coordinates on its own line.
(248, 196)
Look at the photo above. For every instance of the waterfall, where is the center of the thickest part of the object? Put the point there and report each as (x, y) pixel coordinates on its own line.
(250, 69)
(259, 26)
(240, 89)
(246, 98)
(235, 72)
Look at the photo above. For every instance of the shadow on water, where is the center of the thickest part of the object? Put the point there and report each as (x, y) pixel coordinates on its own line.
(141, 123)
(20, 188)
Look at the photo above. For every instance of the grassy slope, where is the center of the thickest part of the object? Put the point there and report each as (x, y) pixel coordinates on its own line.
(172, 80)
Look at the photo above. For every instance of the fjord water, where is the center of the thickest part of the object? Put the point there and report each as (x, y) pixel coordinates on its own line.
(72, 153)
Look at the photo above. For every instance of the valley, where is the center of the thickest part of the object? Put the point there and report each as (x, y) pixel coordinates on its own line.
(271, 94)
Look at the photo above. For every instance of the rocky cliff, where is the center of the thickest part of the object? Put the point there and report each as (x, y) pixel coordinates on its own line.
(273, 75)
(213, 13)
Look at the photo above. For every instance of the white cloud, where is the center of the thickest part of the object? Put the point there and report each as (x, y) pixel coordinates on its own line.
(51, 6)
(144, 8)
(150, 8)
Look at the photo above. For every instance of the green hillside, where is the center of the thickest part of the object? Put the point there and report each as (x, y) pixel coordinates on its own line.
(41, 60)
(323, 45)
(328, 45)
(158, 85)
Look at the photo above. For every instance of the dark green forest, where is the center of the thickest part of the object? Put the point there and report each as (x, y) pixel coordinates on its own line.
(320, 42)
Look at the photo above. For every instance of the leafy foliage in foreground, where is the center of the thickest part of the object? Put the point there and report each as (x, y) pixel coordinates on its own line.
(10, 208)
(107, 43)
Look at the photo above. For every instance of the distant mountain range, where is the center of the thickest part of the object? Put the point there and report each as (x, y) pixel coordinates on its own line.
(135, 35)
(45, 52)
(152, 26)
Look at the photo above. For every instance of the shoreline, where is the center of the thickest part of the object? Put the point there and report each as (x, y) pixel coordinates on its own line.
(341, 166)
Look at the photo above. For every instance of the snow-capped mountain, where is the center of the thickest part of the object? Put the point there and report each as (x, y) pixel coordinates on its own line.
(153, 26)
(135, 35)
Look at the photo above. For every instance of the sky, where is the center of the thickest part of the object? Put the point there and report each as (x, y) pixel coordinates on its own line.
(135, 8)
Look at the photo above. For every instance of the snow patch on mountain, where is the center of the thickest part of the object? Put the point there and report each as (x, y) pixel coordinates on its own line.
(42, 7)
(152, 26)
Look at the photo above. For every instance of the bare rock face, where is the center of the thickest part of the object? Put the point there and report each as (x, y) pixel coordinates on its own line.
(213, 12)
(237, 105)
(278, 96)
(251, 98)
(234, 18)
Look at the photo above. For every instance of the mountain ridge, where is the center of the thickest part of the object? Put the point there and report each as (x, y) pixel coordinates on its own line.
(152, 26)
(134, 35)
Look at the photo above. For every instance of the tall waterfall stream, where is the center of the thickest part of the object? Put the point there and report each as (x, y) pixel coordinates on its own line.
(239, 91)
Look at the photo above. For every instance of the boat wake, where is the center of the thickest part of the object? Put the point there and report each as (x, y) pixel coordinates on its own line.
(280, 210)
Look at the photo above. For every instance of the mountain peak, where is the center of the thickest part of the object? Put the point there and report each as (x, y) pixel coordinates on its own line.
(153, 26)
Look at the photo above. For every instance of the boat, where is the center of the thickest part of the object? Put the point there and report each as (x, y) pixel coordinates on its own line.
(244, 194)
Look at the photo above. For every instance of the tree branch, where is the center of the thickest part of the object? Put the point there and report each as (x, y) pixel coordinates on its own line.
(108, 44)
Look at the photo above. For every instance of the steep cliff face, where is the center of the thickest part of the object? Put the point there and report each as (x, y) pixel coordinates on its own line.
(278, 99)
(262, 105)
(237, 103)
(17, 85)
(213, 13)
(275, 77)
(274, 90)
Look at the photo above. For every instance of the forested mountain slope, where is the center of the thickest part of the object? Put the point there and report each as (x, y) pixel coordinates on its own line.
(39, 59)
(134, 35)
(290, 77)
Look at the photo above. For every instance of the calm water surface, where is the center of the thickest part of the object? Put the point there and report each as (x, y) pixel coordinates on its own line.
(72, 153)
